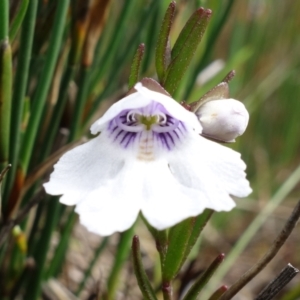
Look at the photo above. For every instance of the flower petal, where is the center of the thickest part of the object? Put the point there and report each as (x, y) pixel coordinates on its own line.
(215, 170)
(115, 205)
(84, 169)
(166, 202)
(142, 98)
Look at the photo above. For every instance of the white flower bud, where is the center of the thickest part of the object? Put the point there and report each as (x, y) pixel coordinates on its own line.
(223, 119)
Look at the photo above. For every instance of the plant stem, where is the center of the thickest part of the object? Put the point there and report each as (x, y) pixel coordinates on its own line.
(21, 79)
(4, 19)
(167, 290)
(18, 20)
(44, 83)
(5, 100)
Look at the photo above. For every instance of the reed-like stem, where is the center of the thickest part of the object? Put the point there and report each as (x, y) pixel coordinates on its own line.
(20, 83)
(43, 86)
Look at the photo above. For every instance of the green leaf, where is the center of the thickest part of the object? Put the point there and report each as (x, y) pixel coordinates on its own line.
(120, 258)
(162, 55)
(21, 80)
(161, 240)
(185, 32)
(42, 248)
(182, 238)
(5, 100)
(18, 20)
(186, 50)
(44, 82)
(136, 66)
(140, 274)
(196, 288)
(214, 32)
(199, 224)
(4, 19)
(179, 236)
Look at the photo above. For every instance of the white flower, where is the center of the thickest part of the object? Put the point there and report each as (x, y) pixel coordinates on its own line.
(149, 157)
(223, 119)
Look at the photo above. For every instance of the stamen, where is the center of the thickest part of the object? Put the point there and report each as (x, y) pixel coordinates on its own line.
(168, 128)
(130, 128)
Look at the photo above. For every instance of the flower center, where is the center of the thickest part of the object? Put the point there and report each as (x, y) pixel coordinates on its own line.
(151, 127)
(148, 121)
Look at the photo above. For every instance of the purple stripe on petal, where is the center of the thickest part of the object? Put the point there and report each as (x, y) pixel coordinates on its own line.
(151, 127)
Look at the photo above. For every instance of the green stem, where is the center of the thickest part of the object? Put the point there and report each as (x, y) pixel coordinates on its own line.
(34, 285)
(167, 290)
(44, 83)
(80, 102)
(4, 19)
(5, 101)
(120, 258)
(21, 80)
(62, 247)
(18, 20)
(115, 41)
(57, 112)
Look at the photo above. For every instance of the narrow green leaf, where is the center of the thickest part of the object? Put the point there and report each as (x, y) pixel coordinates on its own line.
(185, 33)
(199, 224)
(163, 47)
(161, 239)
(77, 41)
(116, 40)
(136, 65)
(180, 63)
(179, 236)
(120, 258)
(34, 284)
(5, 100)
(4, 19)
(76, 124)
(44, 82)
(196, 288)
(182, 238)
(21, 80)
(212, 38)
(18, 20)
(62, 247)
(140, 274)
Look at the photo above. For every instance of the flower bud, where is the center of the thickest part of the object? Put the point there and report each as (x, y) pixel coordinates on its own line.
(223, 119)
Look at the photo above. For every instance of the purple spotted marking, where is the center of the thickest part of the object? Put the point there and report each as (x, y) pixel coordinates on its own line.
(126, 128)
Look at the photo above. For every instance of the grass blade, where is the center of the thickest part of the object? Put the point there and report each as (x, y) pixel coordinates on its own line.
(18, 20)
(5, 100)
